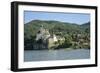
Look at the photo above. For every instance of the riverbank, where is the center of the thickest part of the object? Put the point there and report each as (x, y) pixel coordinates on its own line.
(56, 49)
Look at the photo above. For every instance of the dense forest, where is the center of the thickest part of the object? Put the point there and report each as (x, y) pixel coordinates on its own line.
(76, 36)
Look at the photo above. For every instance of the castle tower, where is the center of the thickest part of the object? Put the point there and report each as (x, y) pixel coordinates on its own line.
(40, 33)
(55, 38)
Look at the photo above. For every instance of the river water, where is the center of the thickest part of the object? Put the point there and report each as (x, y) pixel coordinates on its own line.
(45, 55)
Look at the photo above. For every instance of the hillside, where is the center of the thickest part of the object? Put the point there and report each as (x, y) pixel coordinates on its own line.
(56, 27)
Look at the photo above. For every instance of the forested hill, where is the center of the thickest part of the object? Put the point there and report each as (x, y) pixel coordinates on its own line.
(31, 28)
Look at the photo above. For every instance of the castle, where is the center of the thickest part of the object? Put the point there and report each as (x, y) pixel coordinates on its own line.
(44, 39)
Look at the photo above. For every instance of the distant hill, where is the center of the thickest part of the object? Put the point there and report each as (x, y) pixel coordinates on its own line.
(33, 26)
(86, 24)
(86, 27)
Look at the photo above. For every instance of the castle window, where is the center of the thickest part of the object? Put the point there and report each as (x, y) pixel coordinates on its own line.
(38, 32)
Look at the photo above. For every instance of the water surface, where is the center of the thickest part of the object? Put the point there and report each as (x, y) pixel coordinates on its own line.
(45, 55)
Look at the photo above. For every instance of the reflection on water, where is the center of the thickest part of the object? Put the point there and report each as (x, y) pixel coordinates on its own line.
(45, 55)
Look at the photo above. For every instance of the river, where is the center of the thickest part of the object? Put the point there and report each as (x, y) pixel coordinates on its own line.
(45, 55)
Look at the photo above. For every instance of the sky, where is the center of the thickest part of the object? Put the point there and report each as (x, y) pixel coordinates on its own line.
(78, 18)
